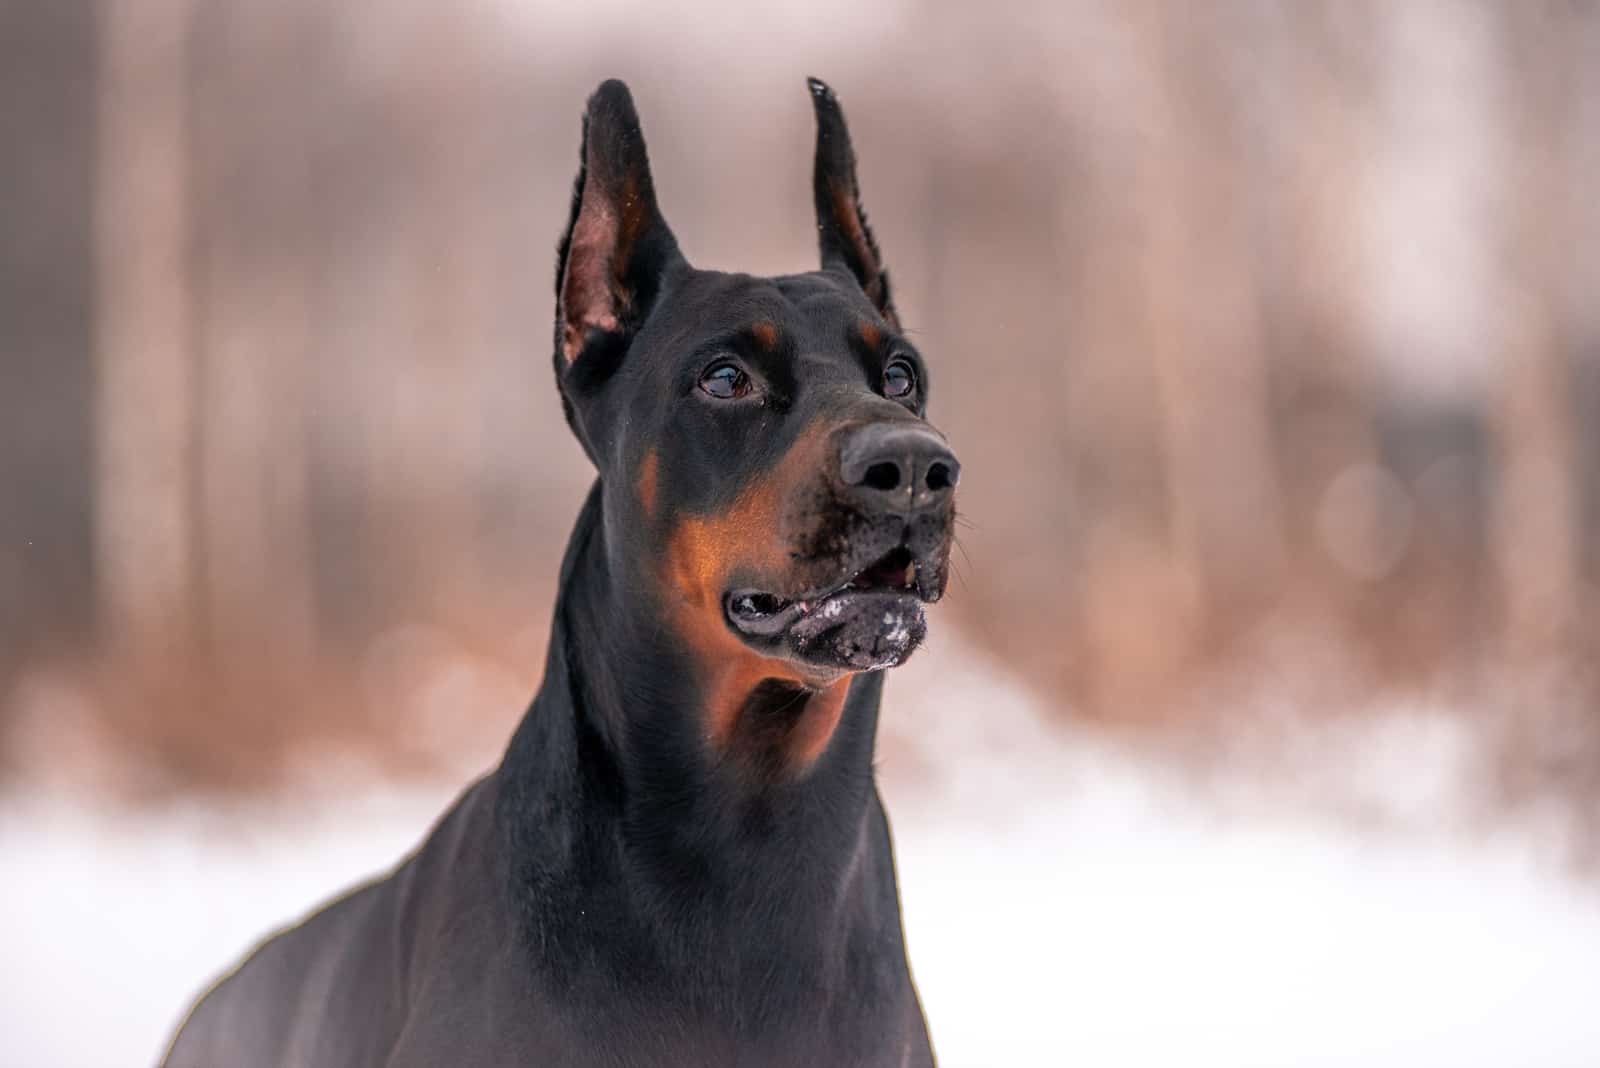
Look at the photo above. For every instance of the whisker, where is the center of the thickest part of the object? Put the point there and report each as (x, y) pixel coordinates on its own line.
(960, 572)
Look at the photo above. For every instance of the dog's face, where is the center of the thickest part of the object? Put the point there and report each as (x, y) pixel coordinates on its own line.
(766, 462)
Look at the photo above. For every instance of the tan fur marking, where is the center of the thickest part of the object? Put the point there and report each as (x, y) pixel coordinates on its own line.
(592, 293)
(815, 729)
(647, 483)
(635, 218)
(849, 220)
(702, 553)
(586, 295)
(844, 213)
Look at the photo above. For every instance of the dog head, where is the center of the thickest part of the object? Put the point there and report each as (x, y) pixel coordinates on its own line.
(768, 471)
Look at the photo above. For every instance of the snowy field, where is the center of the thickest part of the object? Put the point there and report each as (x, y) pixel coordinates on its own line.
(1065, 903)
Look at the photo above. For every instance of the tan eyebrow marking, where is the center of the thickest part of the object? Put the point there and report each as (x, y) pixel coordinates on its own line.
(766, 335)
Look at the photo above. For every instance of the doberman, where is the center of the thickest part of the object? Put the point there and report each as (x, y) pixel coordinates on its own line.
(682, 858)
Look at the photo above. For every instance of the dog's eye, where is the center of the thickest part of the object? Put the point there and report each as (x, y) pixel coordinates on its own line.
(724, 381)
(899, 380)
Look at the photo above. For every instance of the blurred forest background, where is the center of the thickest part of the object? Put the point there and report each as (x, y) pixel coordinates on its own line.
(1268, 335)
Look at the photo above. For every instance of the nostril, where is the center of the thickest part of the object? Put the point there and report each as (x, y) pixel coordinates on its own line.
(940, 477)
(882, 476)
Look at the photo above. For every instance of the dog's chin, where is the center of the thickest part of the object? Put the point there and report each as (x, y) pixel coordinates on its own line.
(847, 631)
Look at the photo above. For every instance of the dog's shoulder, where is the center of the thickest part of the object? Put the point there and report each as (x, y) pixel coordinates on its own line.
(340, 985)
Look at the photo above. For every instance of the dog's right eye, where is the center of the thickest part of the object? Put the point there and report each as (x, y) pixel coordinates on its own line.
(724, 381)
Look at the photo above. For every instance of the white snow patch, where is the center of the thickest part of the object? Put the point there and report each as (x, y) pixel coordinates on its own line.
(1065, 903)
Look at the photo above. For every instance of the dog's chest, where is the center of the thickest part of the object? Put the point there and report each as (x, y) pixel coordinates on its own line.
(488, 1029)
(484, 1008)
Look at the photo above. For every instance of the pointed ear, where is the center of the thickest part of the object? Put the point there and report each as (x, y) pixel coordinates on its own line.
(617, 247)
(842, 231)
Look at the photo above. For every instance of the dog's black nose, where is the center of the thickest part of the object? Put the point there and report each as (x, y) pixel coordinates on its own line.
(901, 467)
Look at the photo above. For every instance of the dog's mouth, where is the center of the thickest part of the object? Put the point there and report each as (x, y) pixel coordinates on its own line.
(873, 619)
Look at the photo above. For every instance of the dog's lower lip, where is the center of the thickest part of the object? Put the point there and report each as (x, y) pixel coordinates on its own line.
(761, 614)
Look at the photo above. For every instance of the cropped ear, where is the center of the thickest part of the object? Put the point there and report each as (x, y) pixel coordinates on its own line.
(842, 231)
(617, 247)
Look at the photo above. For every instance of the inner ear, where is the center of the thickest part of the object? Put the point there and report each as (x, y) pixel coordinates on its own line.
(843, 235)
(617, 246)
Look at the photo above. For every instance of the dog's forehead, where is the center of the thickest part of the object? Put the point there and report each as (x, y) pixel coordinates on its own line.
(815, 306)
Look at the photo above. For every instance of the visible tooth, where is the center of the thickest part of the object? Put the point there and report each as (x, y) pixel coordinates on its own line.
(911, 574)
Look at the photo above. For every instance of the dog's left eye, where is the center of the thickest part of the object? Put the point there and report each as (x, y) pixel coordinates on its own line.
(724, 381)
(899, 380)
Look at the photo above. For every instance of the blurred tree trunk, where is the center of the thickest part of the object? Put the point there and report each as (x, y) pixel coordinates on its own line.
(255, 97)
(1135, 602)
(144, 416)
(440, 456)
(1536, 516)
(1201, 318)
(1313, 271)
(1585, 311)
(48, 67)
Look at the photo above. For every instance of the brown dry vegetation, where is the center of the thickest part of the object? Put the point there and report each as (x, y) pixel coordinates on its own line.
(1267, 334)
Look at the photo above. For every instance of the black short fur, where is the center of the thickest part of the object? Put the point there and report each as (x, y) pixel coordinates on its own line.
(682, 858)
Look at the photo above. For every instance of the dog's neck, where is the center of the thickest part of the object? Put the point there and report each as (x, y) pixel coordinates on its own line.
(634, 850)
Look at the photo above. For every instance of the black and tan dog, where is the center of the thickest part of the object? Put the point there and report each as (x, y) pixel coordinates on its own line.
(682, 859)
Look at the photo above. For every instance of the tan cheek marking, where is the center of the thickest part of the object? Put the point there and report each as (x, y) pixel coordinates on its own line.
(702, 553)
(647, 483)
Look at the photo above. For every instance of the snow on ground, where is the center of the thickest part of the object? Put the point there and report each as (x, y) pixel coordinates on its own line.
(1065, 903)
